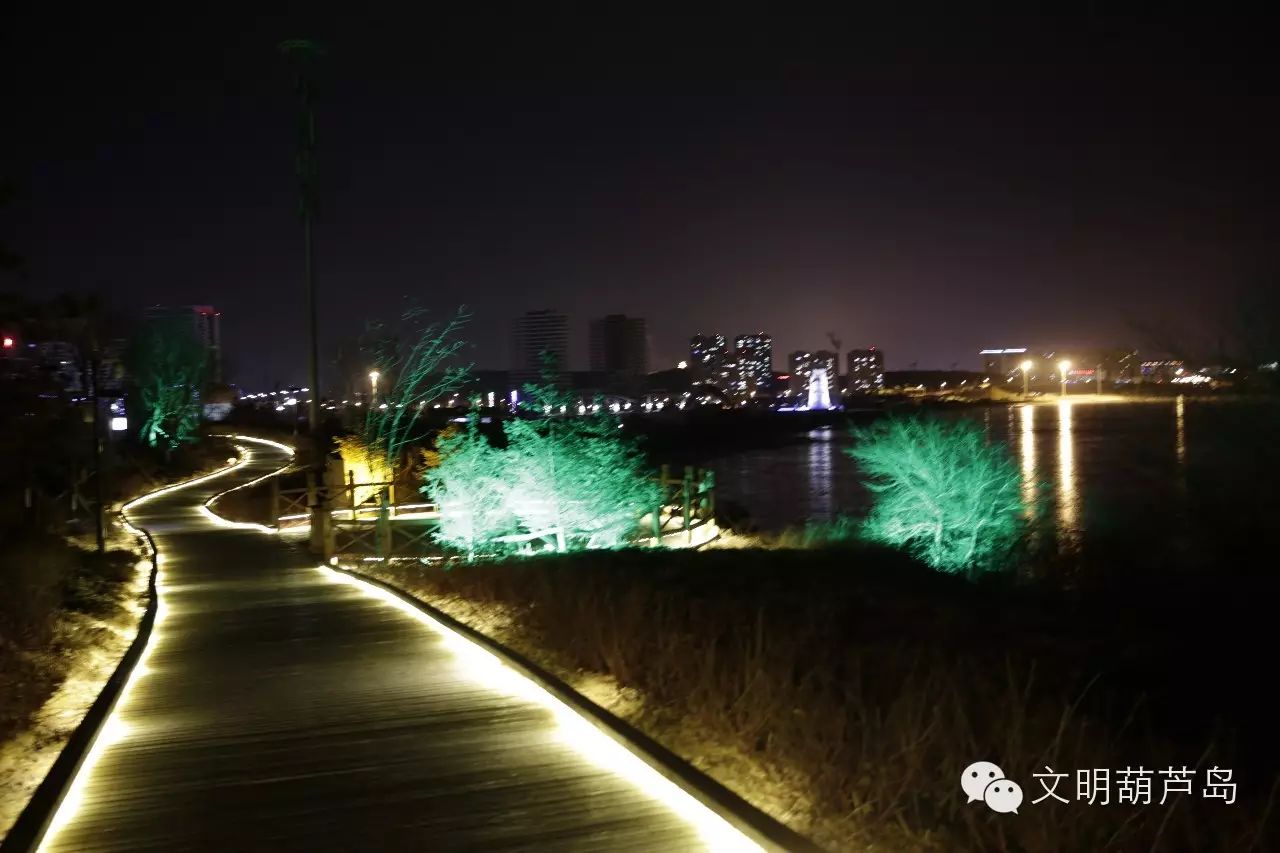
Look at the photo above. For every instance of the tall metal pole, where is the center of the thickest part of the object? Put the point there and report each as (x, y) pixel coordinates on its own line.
(94, 368)
(303, 54)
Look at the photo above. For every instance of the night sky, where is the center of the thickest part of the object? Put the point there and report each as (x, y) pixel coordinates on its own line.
(930, 185)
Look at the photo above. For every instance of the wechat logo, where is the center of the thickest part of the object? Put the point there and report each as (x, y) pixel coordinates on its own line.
(984, 781)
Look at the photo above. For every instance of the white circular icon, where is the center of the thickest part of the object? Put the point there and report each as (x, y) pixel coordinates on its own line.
(1003, 796)
(977, 776)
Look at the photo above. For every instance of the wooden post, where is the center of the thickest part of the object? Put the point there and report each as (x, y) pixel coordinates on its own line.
(311, 489)
(275, 502)
(657, 511)
(384, 524)
(686, 494)
(330, 541)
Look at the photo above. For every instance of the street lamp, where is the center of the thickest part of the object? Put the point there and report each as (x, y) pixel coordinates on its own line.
(1026, 369)
(373, 383)
(1063, 367)
(304, 56)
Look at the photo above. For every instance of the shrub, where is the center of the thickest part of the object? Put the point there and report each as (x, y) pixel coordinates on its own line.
(575, 481)
(364, 463)
(470, 486)
(941, 491)
(578, 477)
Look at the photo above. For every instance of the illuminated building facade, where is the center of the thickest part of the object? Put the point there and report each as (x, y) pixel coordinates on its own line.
(754, 354)
(533, 334)
(866, 370)
(800, 363)
(1088, 364)
(1162, 371)
(707, 354)
(830, 364)
(1002, 362)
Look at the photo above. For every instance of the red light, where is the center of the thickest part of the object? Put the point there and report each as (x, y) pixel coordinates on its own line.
(8, 342)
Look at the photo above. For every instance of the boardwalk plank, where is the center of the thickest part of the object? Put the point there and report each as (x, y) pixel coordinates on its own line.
(281, 711)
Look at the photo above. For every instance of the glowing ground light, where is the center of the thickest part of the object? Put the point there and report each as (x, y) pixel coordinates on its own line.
(572, 729)
(480, 664)
(206, 509)
(115, 727)
(591, 744)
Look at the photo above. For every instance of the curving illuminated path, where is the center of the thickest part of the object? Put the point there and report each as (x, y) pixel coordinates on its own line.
(280, 708)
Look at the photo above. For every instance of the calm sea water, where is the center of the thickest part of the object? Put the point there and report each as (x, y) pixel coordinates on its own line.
(1090, 470)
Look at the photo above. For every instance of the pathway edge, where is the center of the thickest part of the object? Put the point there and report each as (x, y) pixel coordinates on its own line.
(771, 834)
(29, 830)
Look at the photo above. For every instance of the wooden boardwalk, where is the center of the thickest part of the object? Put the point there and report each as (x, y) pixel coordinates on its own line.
(281, 709)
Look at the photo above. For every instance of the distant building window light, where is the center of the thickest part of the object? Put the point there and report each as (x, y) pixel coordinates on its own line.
(119, 424)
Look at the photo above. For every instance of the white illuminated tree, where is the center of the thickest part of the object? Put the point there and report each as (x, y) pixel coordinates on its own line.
(471, 485)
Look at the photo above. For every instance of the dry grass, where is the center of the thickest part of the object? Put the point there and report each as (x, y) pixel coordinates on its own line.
(843, 691)
(66, 617)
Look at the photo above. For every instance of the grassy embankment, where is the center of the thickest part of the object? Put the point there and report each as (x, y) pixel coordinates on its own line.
(843, 690)
(67, 615)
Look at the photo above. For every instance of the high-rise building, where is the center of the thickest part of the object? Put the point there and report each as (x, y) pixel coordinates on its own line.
(803, 363)
(866, 370)
(755, 365)
(534, 334)
(205, 322)
(619, 346)
(800, 363)
(829, 362)
(707, 355)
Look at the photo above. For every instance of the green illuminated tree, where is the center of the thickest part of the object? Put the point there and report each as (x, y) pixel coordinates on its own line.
(577, 476)
(169, 367)
(571, 480)
(471, 487)
(415, 373)
(940, 491)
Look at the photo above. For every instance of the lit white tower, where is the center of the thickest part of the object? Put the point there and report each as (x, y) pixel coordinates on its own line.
(819, 394)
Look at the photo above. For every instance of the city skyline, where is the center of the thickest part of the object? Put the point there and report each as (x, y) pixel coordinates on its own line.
(934, 207)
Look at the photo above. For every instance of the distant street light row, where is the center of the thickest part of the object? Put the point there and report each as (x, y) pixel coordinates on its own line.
(1063, 367)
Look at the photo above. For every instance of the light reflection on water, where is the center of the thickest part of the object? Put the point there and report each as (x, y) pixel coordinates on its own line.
(1027, 443)
(1067, 491)
(821, 504)
(1180, 431)
(1096, 468)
